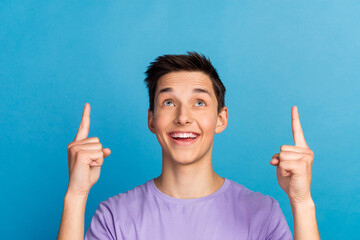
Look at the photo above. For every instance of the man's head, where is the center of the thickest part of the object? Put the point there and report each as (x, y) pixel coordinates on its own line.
(186, 106)
(193, 62)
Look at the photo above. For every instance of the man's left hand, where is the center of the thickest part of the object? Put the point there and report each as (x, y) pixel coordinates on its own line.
(294, 164)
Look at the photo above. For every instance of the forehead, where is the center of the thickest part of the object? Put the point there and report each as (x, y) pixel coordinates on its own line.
(185, 79)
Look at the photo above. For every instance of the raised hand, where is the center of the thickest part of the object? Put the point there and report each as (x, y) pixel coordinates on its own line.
(294, 164)
(85, 157)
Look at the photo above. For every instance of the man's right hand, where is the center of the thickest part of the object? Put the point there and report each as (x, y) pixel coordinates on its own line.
(85, 157)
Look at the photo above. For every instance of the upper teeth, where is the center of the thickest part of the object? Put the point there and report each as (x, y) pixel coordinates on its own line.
(183, 135)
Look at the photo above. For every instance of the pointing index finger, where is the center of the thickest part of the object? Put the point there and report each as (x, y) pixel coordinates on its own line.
(83, 131)
(297, 131)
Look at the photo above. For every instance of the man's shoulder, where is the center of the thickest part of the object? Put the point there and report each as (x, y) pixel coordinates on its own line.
(127, 198)
(244, 195)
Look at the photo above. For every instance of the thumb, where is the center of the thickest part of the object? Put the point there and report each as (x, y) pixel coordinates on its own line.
(106, 152)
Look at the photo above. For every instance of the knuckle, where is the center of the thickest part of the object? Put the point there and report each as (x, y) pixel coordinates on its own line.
(97, 139)
(70, 145)
(308, 158)
(311, 152)
(74, 148)
(101, 146)
(81, 154)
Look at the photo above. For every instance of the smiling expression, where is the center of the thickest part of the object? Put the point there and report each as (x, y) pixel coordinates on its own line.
(185, 117)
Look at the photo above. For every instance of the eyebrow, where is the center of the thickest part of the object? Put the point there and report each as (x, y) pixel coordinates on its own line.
(195, 90)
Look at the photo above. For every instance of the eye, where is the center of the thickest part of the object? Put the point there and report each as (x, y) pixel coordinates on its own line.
(167, 101)
(201, 101)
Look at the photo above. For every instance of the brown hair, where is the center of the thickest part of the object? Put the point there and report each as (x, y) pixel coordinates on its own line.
(174, 63)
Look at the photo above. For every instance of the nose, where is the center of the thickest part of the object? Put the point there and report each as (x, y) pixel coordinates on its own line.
(183, 115)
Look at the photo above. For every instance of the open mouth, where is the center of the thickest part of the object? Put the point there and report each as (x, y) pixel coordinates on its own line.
(184, 138)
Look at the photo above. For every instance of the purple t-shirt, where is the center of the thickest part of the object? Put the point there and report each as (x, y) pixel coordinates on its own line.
(146, 213)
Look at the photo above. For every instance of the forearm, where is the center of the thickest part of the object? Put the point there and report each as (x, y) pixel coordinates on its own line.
(72, 221)
(305, 225)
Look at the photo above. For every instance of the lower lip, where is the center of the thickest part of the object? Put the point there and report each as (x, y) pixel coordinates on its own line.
(184, 142)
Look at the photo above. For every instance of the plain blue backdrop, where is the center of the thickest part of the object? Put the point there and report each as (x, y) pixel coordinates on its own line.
(57, 55)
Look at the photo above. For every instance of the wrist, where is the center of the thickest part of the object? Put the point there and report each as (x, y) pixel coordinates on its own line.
(75, 203)
(76, 196)
(307, 204)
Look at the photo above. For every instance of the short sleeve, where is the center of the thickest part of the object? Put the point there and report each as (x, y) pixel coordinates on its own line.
(278, 227)
(102, 224)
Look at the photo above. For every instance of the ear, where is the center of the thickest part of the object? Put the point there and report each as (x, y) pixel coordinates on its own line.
(151, 121)
(222, 120)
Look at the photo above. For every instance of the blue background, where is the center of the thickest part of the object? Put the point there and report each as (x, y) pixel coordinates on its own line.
(56, 56)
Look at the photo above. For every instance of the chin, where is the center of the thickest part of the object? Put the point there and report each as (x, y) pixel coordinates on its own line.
(185, 162)
(184, 159)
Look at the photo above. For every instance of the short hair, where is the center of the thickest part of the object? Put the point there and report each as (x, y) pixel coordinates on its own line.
(174, 63)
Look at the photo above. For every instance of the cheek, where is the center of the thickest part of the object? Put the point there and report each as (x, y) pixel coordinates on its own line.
(161, 121)
(208, 123)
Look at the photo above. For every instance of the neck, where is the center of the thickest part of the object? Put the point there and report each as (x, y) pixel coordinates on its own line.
(193, 180)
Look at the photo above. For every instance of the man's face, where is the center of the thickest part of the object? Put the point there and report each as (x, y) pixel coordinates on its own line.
(185, 116)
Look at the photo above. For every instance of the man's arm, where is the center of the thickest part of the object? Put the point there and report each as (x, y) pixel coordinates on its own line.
(72, 221)
(294, 170)
(305, 225)
(85, 158)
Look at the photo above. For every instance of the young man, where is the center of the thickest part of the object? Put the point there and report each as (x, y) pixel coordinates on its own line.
(189, 200)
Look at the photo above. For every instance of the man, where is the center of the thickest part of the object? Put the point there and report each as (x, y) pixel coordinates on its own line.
(189, 200)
